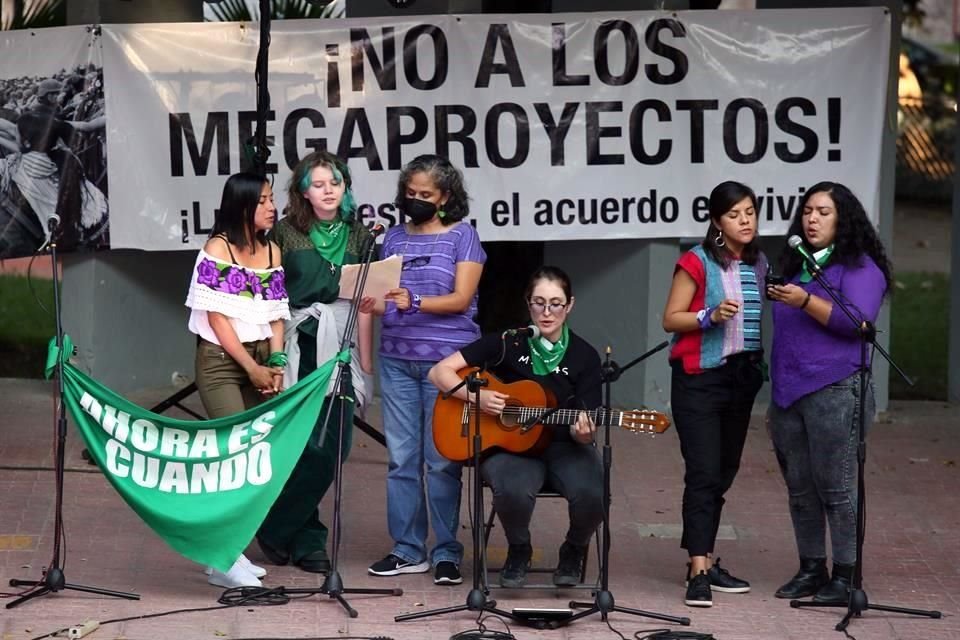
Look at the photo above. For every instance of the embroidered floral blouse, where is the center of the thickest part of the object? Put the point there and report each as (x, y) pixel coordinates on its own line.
(250, 298)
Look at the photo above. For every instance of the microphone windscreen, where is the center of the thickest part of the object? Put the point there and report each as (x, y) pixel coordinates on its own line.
(534, 331)
(794, 241)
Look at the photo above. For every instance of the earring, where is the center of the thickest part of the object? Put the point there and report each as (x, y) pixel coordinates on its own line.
(441, 214)
(719, 240)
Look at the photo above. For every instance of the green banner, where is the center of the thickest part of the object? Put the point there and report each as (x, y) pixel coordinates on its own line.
(204, 486)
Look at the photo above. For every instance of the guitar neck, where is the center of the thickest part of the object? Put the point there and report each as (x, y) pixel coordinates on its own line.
(600, 416)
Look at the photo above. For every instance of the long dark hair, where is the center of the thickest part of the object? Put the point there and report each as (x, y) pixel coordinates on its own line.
(723, 198)
(554, 274)
(298, 210)
(238, 206)
(448, 179)
(855, 236)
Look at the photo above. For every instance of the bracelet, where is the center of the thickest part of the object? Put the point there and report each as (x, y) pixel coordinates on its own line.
(806, 301)
(704, 319)
(277, 359)
(415, 301)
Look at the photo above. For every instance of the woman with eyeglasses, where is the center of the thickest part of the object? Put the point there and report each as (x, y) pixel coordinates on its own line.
(428, 317)
(566, 365)
(713, 310)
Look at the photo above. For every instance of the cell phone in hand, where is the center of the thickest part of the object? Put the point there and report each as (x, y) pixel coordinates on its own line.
(773, 280)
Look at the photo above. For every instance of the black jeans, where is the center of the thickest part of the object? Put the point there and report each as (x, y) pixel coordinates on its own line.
(712, 411)
(571, 469)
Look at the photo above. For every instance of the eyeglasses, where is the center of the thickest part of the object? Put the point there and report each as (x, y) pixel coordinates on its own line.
(539, 306)
(412, 263)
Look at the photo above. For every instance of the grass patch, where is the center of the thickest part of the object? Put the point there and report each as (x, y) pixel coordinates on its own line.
(25, 328)
(918, 341)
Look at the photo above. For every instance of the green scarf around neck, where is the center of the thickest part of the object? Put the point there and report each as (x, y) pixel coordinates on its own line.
(821, 257)
(544, 360)
(329, 238)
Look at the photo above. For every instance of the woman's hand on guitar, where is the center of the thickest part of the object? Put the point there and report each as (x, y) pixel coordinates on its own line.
(583, 429)
(492, 402)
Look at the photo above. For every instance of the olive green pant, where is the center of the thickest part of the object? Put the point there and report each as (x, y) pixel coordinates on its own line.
(224, 387)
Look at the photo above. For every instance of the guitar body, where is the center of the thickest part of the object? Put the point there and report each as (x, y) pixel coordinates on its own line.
(453, 421)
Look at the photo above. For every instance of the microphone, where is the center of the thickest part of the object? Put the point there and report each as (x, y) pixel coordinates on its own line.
(53, 221)
(532, 331)
(376, 229)
(795, 243)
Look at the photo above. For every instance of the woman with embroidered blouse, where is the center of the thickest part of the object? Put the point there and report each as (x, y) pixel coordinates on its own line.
(318, 235)
(713, 310)
(238, 303)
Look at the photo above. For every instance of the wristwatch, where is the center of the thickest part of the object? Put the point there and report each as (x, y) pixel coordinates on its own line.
(703, 318)
(415, 301)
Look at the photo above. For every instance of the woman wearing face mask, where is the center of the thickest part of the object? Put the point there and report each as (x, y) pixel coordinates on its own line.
(319, 234)
(430, 316)
(713, 310)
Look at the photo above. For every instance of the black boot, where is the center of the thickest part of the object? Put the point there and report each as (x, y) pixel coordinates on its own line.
(838, 589)
(808, 581)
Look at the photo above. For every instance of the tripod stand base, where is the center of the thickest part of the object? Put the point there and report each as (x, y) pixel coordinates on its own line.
(333, 587)
(859, 603)
(476, 601)
(604, 604)
(54, 581)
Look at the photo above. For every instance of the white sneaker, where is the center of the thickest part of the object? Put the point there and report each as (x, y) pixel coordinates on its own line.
(237, 576)
(244, 562)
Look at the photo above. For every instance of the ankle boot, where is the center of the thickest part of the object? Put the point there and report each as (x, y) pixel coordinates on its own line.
(808, 581)
(838, 589)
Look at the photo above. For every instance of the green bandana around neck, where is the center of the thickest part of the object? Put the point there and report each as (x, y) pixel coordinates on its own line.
(544, 360)
(329, 238)
(821, 257)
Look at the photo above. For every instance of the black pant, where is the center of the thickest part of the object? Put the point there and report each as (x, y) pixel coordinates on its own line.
(711, 411)
(571, 469)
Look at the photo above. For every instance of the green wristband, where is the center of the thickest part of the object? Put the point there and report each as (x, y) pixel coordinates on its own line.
(277, 359)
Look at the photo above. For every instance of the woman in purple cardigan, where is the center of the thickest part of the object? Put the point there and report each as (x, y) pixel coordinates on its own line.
(816, 382)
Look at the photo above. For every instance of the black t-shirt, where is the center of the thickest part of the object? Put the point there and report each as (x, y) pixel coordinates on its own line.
(575, 383)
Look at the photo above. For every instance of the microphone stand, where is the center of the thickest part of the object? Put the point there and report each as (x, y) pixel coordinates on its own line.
(858, 601)
(53, 578)
(477, 599)
(604, 602)
(333, 583)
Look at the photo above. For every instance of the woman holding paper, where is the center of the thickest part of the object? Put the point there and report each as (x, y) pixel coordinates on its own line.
(318, 236)
(430, 316)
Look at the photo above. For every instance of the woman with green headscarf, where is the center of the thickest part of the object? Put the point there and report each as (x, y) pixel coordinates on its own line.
(318, 235)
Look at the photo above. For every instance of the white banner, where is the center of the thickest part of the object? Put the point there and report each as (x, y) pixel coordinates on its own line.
(567, 126)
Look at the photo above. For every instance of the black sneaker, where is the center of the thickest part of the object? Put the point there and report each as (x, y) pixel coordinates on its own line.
(447, 572)
(721, 580)
(514, 572)
(569, 566)
(698, 591)
(393, 566)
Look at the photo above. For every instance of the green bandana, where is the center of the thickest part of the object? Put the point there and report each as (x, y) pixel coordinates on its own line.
(329, 238)
(821, 257)
(545, 360)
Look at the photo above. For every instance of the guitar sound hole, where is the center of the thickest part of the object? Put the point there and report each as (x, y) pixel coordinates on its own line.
(510, 418)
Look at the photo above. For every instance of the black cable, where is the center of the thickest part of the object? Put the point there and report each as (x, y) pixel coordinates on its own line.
(670, 634)
(482, 633)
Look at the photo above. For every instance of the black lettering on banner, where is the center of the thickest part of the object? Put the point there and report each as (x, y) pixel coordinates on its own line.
(181, 129)
(396, 139)
(601, 53)
(499, 34)
(636, 132)
(501, 214)
(696, 109)
(245, 122)
(492, 135)
(681, 65)
(556, 131)
(701, 209)
(564, 218)
(444, 136)
(355, 120)
(761, 130)
(441, 60)
(609, 206)
(559, 55)
(807, 135)
(361, 48)
(333, 75)
(595, 132)
(649, 208)
(291, 125)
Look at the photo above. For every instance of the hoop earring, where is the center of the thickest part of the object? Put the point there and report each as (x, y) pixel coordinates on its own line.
(719, 240)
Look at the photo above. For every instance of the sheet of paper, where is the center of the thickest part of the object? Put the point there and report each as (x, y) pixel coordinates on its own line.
(383, 276)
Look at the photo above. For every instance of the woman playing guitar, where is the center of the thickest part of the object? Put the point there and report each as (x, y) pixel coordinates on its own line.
(569, 368)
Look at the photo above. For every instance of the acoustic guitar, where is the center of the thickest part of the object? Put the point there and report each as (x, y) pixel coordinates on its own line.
(520, 428)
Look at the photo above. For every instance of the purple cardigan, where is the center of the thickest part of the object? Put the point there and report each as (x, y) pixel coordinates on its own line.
(807, 356)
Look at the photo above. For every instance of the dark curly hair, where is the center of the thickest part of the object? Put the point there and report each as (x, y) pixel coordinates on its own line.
(855, 235)
(446, 177)
(723, 198)
(298, 209)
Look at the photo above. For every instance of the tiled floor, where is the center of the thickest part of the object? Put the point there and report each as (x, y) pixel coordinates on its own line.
(913, 510)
